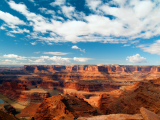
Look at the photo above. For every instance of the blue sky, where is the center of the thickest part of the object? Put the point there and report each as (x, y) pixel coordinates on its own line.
(39, 32)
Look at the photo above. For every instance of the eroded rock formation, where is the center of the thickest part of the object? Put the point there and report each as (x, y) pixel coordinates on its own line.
(113, 117)
(21, 94)
(29, 111)
(64, 106)
(6, 116)
(145, 115)
(129, 99)
(97, 72)
(92, 68)
(88, 82)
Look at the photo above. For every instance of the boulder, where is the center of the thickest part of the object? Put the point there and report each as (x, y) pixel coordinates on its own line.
(148, 115)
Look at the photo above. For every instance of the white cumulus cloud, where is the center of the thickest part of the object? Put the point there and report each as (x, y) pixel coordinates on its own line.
(10, 19)
(44, 57)
(76, 47)
(33, 43)
(152, 48)
(82, 59)
(131, 19)
(14, 56)
(39, 60)
(58, 2)
(46, 11)
(136, 59)
(68, 11)
(10, 34)
(59, 59)
(7, 60)
(2, 28)
(93, 4)
(55, 53)
(20, 31)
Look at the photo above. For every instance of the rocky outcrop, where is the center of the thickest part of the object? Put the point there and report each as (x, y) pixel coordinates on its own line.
(97, 72)
(23, 82)
(6, 116)
(50, 84)
(29, 111)
(10, 109)
(148, 115)
(20, 93)
(78, 76)
(31, 68)
(64, 107)
(94, 85)
(6, 78)
(110, 87)
(129, 99)
(87, 86)
(83, 86)
(145, 115)
(113, 117)
(32, 96)
(92, 68)
(13, 86)
(27, 80)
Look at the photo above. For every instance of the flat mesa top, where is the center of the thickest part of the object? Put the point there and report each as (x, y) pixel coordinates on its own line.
(35, 91)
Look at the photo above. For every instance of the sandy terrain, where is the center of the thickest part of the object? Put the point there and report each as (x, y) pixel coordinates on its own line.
(17, 106)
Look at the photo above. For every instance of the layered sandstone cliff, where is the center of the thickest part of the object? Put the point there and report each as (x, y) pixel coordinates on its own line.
(129, 99)
(94, 72)
(93, 68)
(21, 94)
(145, 115)
(64, 107)
(29, 111)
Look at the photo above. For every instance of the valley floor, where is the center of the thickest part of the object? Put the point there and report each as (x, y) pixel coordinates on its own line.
(17, 106)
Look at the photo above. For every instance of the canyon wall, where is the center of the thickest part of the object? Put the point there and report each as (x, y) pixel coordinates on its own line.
(83, 85)
(64, 107)
(70, 79)
(129, 99)
(92, 68)
(21, 94)
(95, 72)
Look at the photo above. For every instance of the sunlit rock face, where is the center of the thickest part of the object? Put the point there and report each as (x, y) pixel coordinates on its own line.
(144, 115)
(82, 80)
(113, 117)
(129, 99)
(101, 72)
(21, 94)
(29, 111)
(13, 86)
(64, 106)
(111, 89)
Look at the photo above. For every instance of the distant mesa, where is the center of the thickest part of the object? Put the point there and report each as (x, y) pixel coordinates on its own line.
(92, 68)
